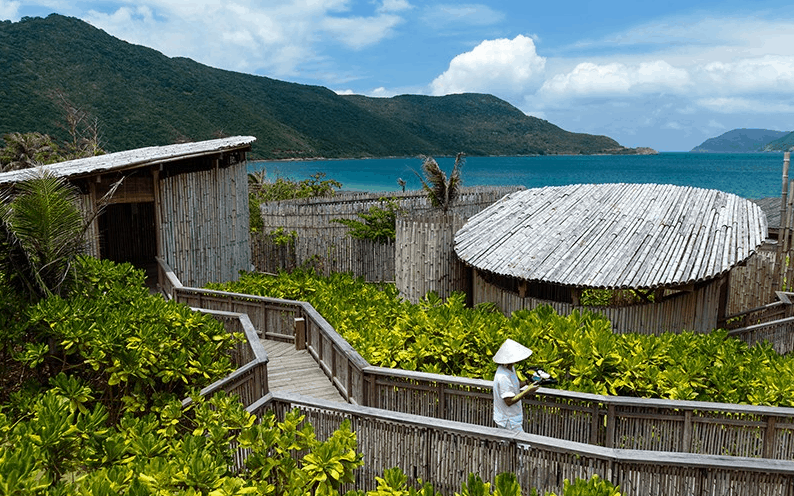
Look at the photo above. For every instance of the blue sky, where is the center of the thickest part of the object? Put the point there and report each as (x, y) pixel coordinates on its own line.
(662, 74)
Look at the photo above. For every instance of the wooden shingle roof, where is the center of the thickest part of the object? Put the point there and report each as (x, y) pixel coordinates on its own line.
(614, 236)
(138, 157)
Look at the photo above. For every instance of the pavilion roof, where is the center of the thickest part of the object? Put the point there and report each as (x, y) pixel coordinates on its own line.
(128, 159)
(615, 236)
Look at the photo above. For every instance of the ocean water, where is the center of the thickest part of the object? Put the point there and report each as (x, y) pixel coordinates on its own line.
(755, 175)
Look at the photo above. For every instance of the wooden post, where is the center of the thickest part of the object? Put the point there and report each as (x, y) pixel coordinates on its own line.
(769, 437)
(785, 223)
(300, 333)
(687, 438)
(611, 419)
(782, 234)
(442, 404)
(595, 422)
(372, 398)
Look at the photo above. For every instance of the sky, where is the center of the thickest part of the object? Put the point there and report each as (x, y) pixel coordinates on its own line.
(664, 74)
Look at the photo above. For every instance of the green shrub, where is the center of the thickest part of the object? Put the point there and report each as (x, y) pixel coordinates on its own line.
(580, 349)
(57, 449)
(378, 223)
(133, 349)
(595, 486)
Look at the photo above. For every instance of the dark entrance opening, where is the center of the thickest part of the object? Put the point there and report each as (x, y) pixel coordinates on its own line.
(127, 234)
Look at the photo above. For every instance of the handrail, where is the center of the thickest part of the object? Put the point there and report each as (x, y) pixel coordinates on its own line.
(764, 313)
(443, 452)
(249, 380)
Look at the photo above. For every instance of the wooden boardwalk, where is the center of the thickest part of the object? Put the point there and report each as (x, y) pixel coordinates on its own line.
(296, 371)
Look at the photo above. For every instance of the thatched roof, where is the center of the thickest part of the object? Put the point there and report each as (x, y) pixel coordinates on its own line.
(139, 157)
(771, 207)
(637, 236)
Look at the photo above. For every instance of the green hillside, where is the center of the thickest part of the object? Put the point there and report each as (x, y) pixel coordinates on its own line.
(739, 141)
(784, 144)
(141, 98)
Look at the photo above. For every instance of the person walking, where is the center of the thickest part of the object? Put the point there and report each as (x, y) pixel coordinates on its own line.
(507, 389)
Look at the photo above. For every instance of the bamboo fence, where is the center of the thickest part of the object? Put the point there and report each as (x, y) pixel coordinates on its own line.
(326, 245)
(695, 310)
(752, 283)
(425, 259)
(249, 380)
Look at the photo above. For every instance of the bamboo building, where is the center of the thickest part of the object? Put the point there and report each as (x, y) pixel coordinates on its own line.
(673, 245)
(185, 203)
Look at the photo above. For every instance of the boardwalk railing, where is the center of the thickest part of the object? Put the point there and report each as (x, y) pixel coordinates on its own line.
(249, 380)
(779, 309)
(773, 322)
(444, 452)
(607, 421)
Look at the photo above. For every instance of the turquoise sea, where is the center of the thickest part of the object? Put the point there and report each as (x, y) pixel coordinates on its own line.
(753, 175)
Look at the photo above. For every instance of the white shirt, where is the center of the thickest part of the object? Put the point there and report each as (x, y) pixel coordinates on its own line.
(505, 385)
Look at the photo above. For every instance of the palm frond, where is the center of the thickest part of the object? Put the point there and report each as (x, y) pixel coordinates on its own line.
(441, 192)
(42, 228)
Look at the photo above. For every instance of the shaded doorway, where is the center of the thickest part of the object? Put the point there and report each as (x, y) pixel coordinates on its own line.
(127, 233)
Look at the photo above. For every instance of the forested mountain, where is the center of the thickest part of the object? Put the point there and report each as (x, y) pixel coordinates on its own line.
(784, 144)
(740, 141)
(140, 97)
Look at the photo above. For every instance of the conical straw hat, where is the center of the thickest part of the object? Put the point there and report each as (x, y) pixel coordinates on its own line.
(511, 352)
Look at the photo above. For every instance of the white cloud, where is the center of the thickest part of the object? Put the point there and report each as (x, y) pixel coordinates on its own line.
(739, 104)
(769, 73)
(499, 66)
(449, 16)
(9, 10)
(280, 39)
(360, 32)
(588, 80)
(344, 92)
(381, 92)
(394, 6)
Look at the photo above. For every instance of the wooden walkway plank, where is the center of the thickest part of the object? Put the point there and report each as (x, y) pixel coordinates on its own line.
(294, 371)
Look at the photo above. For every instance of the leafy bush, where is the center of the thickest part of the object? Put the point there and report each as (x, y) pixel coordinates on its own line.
(379, 223)
(59, 449)
(132, 348)
(595, 486)
(579, 349)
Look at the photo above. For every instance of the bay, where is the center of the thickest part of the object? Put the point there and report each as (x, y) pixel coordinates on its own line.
(749, 175)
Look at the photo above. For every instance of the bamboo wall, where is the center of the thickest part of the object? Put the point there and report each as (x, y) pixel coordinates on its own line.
(204, 224)
(328, 249)
(752, 284)
(87, 207)
(693, 311)
(326, 245)
(425, 258)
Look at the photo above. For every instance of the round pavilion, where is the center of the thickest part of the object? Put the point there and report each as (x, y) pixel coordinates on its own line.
(673, 245)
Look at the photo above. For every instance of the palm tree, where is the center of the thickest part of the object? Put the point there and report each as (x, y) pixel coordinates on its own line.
(440, 191)
(42, 231)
